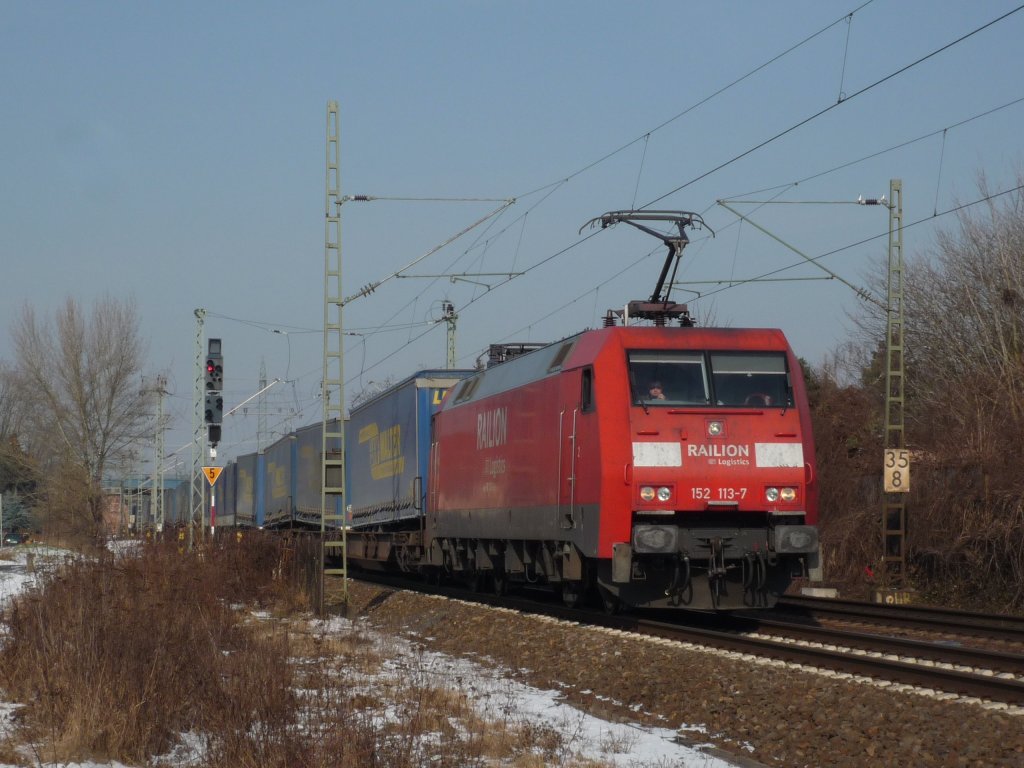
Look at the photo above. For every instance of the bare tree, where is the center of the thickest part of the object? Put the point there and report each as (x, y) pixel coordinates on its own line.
(965, 335)
(15, 466)
(9, 411)
(964, 359)
(78, 378)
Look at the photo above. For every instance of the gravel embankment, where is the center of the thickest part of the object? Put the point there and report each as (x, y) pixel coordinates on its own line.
(771, 713)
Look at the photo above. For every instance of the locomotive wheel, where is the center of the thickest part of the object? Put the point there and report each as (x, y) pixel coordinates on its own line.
(572, 594)
(610, 602)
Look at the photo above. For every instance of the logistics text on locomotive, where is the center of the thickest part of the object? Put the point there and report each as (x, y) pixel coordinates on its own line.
(492, 428)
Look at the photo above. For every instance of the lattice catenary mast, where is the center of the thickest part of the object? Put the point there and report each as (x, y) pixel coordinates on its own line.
(333, 538)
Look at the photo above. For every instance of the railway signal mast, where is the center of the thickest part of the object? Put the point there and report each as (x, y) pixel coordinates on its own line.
(214, 414)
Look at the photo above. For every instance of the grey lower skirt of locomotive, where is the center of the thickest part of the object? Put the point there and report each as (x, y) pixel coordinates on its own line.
(712, 566)
(697, 567)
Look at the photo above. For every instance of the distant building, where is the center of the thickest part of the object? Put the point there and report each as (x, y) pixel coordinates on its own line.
(128, 505)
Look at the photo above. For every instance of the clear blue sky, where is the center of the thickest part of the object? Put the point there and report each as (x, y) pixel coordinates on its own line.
(174, 152)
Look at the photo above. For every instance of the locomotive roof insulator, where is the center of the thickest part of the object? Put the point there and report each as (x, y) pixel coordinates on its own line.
(661, 312)
(658, 308)
(500, 353)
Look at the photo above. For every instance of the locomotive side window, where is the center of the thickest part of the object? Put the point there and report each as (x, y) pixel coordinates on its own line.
(751, 380)
(587, 390)
(668, 378)
(467, 388)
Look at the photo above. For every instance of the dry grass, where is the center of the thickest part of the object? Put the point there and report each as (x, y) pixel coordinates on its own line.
(117, 657)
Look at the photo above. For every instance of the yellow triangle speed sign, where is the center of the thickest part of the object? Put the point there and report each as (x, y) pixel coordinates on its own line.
(212, 473)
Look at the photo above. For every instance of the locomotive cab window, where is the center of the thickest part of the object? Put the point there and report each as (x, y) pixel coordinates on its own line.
(668, 378)
(751, 380)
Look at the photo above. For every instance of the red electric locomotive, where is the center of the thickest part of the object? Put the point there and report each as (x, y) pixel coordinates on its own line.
(655, 465)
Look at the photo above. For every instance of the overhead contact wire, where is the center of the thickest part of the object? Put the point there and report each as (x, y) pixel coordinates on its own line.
(700, 103)
(879, 153)
(552, 187)
(829, 108)
(866, 240)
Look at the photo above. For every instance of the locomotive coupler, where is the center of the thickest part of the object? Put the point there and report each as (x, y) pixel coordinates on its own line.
(716, 559)
(755, 578)
(716, 569)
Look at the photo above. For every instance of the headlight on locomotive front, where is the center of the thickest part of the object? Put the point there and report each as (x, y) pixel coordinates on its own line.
(785, 495)
(649, 493)
(795, 539)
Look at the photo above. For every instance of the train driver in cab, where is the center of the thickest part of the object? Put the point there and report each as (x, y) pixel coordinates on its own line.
(655, 391)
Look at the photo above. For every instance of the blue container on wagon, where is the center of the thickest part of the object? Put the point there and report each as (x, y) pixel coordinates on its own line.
(387, 447)
(176, 499)
(244, 496)
(226, 488)
(290, 471)
(277, 481)
(308, 471)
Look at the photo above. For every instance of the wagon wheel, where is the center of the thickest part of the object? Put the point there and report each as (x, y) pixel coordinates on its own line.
(499, 582)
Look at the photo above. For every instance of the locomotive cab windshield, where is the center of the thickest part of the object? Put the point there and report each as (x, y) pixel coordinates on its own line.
(731, 379)
(751, 380)
(669, 378)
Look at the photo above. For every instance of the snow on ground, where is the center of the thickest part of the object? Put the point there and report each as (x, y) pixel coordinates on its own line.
(499, 698)
(496, 695)
(14, 574)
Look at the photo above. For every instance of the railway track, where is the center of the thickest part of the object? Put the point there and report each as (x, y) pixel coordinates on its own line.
(944, 620)
(905, 662)
(950, 670)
